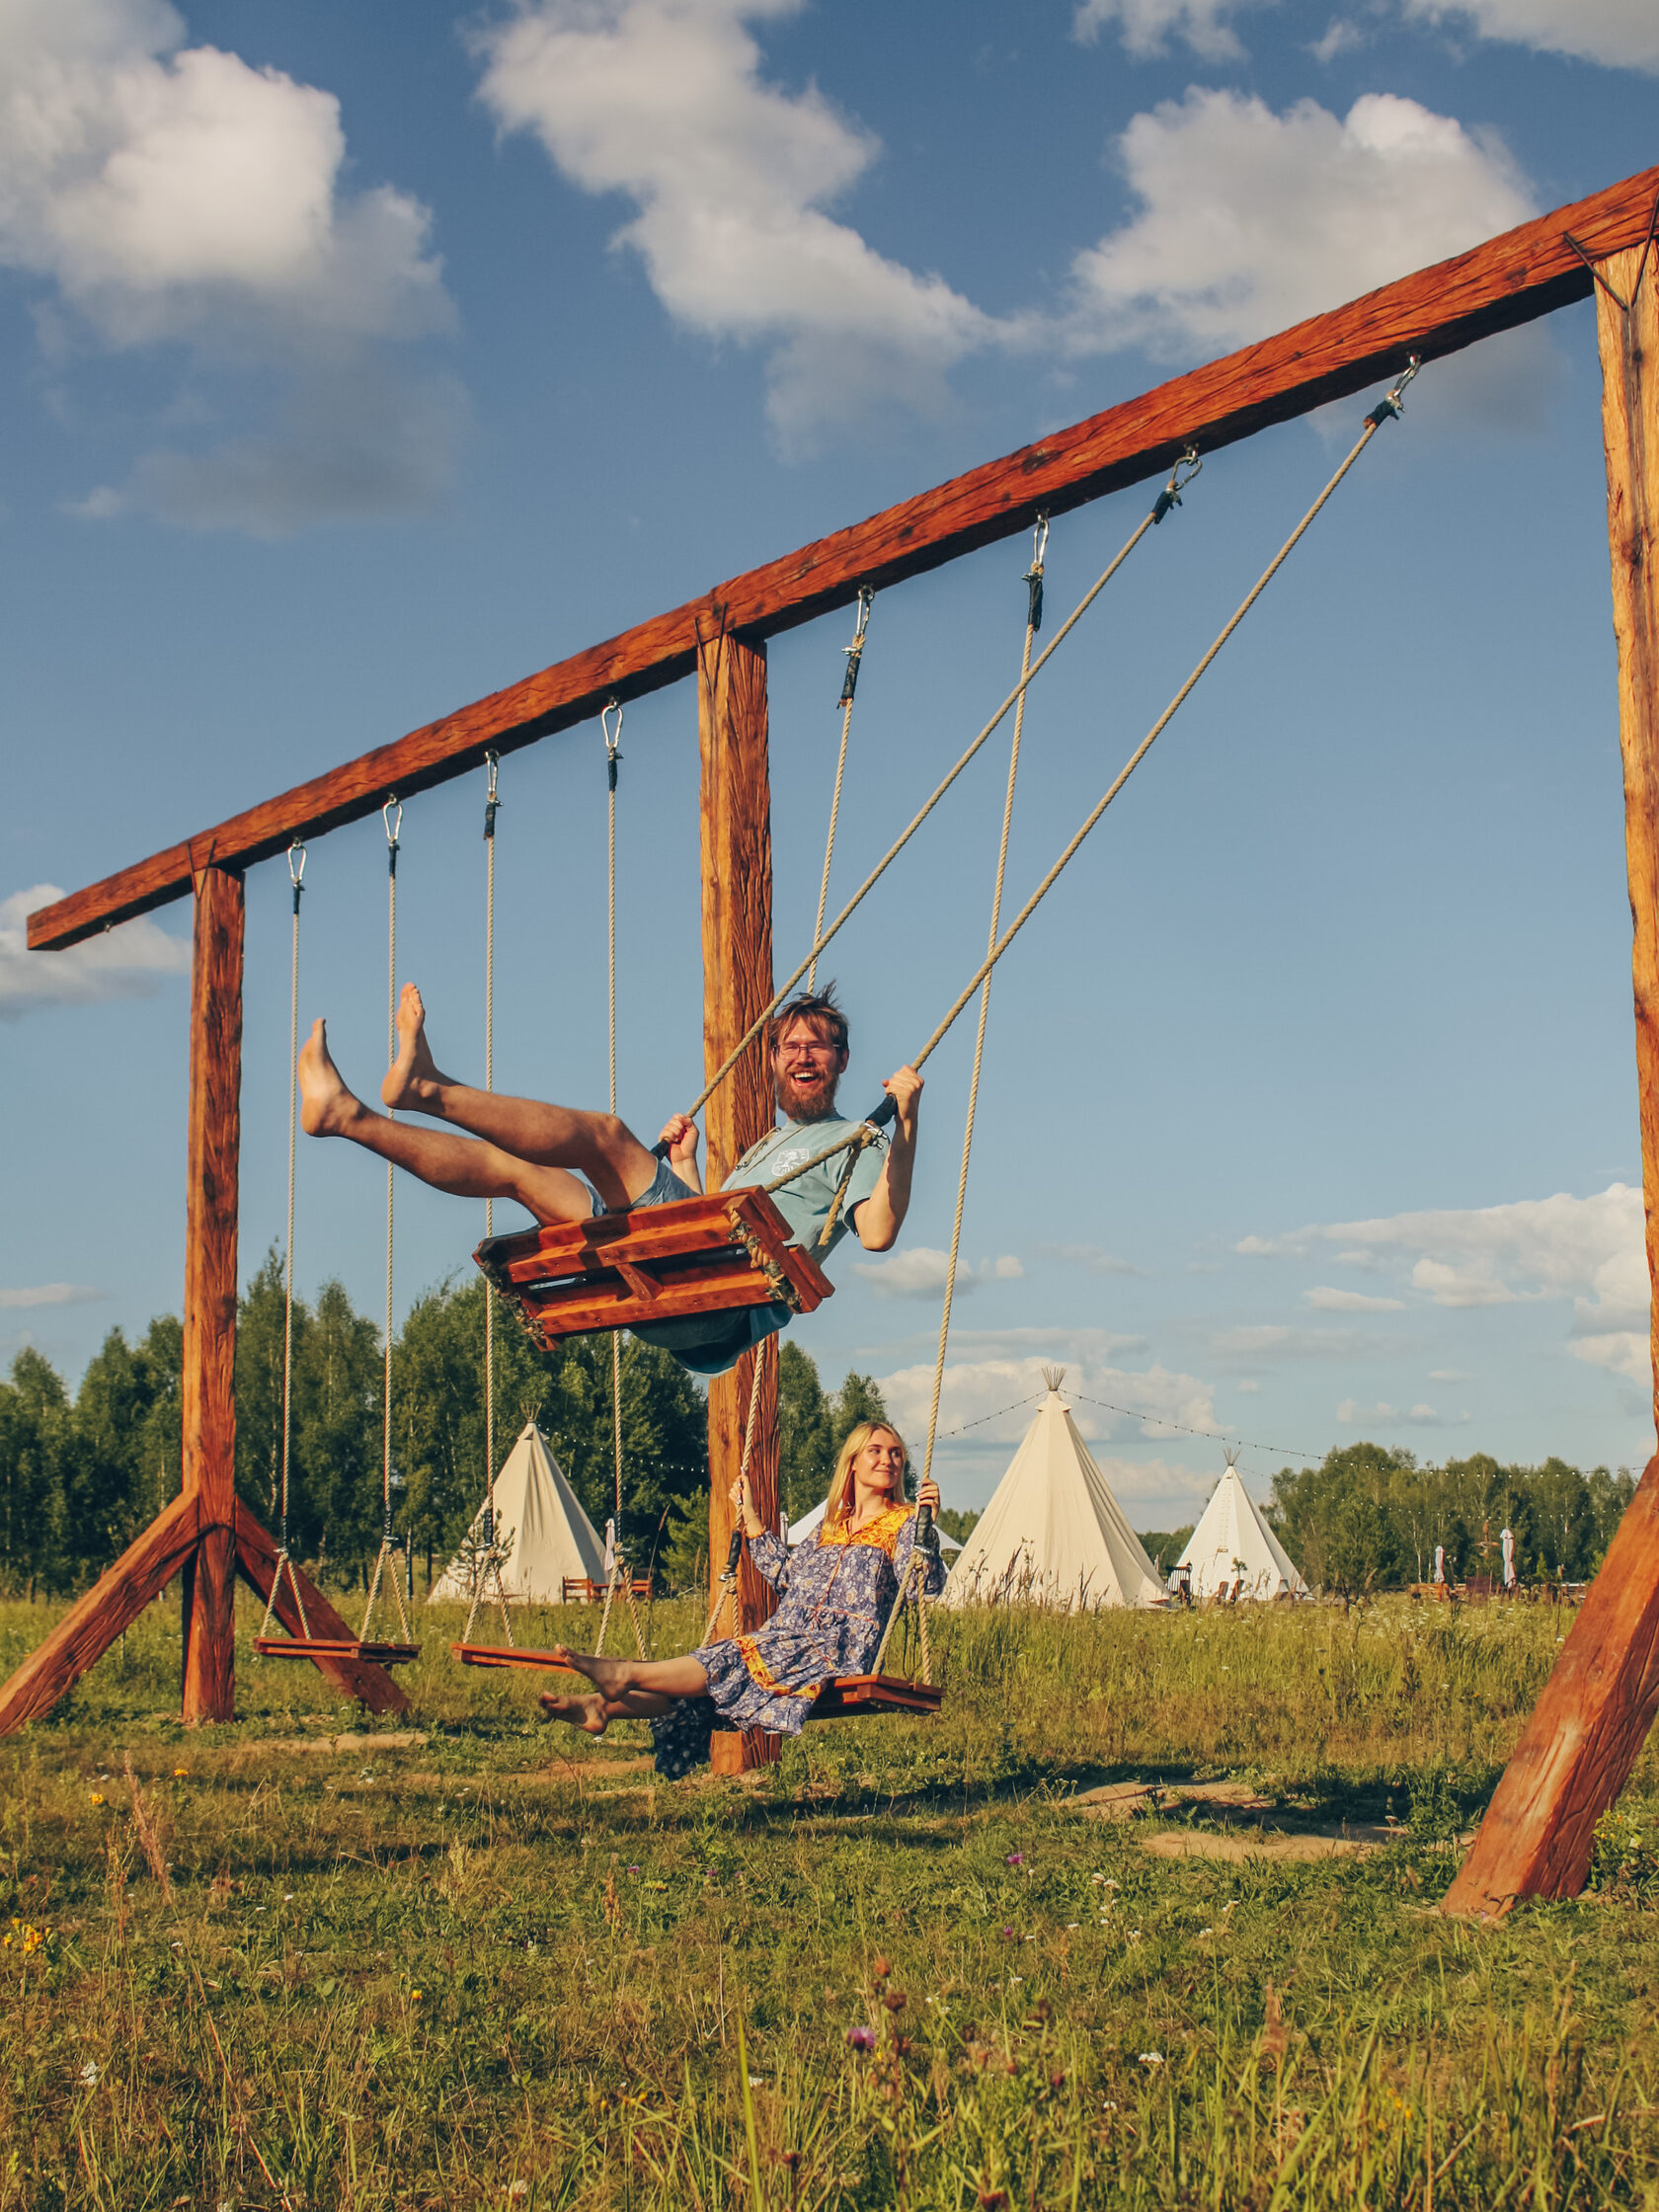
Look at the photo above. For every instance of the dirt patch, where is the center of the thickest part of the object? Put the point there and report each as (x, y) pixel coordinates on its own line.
(1234, 1846)
(395, 1739)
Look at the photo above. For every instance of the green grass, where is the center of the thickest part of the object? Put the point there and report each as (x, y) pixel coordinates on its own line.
(498, 1969)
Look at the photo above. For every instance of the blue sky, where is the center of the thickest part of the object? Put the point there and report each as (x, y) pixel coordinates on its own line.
(361, 360)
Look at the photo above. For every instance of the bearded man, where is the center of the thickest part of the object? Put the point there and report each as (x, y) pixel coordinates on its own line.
(564, 1164)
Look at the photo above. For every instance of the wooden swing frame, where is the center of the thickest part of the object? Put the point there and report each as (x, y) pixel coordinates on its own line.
(1596, 1710)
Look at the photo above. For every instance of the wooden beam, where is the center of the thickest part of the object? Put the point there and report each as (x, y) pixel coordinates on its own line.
(209, 1393)
(1526, 273)
(256, 1561)
(93, 1622)
(736, 832)
(1577, 1750)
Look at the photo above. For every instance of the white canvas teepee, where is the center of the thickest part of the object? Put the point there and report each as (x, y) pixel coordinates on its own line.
(1233, 1544)
(540, 1522)
(1053, 1534)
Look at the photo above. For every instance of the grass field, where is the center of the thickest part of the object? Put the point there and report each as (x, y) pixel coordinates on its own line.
(453, 1961)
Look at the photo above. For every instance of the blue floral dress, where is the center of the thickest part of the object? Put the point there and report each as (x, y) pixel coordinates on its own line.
(836, 1595)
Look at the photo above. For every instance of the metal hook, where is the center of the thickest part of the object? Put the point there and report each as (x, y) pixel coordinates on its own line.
(491, 802)
(1394, 402)
(391, 815)
(612, 738)
(1039, 546)
(296, 876)
(855, 651)
(1170, 496)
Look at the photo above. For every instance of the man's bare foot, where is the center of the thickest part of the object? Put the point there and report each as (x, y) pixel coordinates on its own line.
(326, 1107)
(413, 1080)
(586, 1713)
(610, 1677)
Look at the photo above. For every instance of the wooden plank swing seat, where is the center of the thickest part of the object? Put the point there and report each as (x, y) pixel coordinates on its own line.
(714, 1254)
(335, 1647)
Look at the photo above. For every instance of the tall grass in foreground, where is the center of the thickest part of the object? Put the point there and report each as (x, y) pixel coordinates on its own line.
(485, 1970)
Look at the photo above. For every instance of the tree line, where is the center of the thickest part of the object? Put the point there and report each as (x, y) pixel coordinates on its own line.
(1370, 1518)
(82, 1472)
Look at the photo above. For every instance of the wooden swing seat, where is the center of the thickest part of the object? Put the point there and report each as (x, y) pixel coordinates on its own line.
(715, 1254)
(335, 1647)
(853, 1698)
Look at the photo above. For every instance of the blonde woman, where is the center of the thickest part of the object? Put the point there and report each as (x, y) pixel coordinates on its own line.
(835, 1596)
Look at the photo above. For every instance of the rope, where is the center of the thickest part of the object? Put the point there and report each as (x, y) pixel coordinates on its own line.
(296, 877)
(1034, 615)
(487, 1561)
(850, 685)
(613, 738)
(1390, 405)
(1169, 496)
(392, 816)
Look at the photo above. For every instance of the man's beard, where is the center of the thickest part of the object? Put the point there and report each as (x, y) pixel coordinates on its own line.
(819, 1107)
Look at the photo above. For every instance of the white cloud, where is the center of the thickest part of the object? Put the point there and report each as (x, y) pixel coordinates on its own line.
(1627, 1352)
(1353, 1415)
(918, 1271)
(1249, 221)
(1273, 1340)
(1324, 1299)
(665, 102)
(178, 195)
(1339, 36)
(1622, 33)
(1147, 26)
(50, 1293)
(1094, 1258)
(131, 962)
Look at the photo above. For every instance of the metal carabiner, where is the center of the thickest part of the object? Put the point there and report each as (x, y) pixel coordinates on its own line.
(1033, 577)
(296, 876)
(492, 762)
(612, 738)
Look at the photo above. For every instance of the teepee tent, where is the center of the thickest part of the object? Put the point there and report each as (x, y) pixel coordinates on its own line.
(1053, 1534)
(1233, 1544)
(540, 1522)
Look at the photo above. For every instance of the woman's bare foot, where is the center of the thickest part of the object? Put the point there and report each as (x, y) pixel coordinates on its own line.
(326, 1107)
(413, 1080)
(587, 1713)
(610, 1677)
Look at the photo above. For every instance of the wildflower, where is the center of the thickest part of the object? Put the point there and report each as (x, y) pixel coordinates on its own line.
(880, 1968)
(756, 2080)
(1108, 2106)
(181, 1774)
(1151, 2058)
(288, 1897)
(896, 2000)
(1007, 1934)
(1016, 1859)
(1111, 1885)
(416, 1993)
(1099, 1878)
(1070, 1925)
(1203, 1931)
(97, 1797)
(1014, 1980)
(862, 2038)
(89, 2073)
(633, 1869)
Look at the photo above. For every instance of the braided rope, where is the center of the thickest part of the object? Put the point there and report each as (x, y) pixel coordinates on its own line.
(296, 877)
(1161, 507)
(727, 1593)
(391, 815)
(1034, 578)
(492, 1560)
(849, 685)
(613, 738)
(1378, 415)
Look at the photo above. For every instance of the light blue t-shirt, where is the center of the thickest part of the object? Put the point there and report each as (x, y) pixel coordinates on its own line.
(712, 1344)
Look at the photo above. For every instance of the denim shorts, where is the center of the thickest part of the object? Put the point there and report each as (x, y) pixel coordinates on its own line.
(665, 1187)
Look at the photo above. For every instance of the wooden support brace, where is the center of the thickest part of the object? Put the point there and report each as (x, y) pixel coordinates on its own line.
(737, 864)
(1576, 1752)
(208, 1394)
(109, 1609)
(256, 1561)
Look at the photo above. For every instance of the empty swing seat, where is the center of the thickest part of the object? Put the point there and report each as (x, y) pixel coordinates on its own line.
(509, 1655)
(337, 1647)
(715, 1254)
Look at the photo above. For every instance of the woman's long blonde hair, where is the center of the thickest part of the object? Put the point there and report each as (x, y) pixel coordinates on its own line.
(839, 1505)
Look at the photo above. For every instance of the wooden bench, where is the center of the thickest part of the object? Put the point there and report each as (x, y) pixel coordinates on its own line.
(582, 1590)
(715, 1254)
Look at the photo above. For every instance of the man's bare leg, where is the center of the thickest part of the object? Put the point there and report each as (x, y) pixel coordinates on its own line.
(598, 1146)
(457, 1165)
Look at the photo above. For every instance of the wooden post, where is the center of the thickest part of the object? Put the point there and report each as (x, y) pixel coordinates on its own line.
(208, 1630)
(1577, 1750)
(736, 863)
